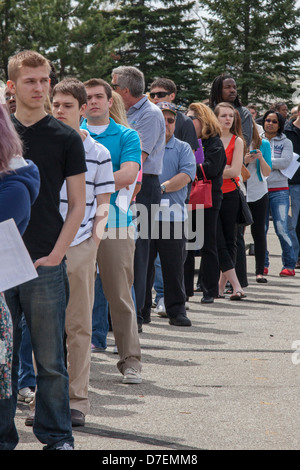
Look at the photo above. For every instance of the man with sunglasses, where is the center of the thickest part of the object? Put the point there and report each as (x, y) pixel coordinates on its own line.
(169, 242)
(164, 89)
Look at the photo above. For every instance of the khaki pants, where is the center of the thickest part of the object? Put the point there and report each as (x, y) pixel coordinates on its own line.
(81, 268)
(115, 260)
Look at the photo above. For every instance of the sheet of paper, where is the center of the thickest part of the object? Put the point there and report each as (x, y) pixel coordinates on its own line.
(292, 168)
(124, 197)
(16, 266)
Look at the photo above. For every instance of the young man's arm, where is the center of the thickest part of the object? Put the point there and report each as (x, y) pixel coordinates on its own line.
(126, 175)
(101, 216)
(75, 214)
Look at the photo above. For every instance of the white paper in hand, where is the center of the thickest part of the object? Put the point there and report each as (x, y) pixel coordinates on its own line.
(16, 266)
(124, 197)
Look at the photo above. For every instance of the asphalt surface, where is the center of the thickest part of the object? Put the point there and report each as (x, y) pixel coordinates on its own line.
(229, 382)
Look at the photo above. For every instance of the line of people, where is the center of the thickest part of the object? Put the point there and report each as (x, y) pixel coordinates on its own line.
(107, 155)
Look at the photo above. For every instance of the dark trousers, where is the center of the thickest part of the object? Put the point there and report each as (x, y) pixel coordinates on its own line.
(209, 272)
(241, 260)
(227, 230)
(259, 211)
(149, 194)
(172, 256)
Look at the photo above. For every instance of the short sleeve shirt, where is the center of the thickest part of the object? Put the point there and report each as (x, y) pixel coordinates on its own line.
(99, 179)
(147, 119)
(124, 145)
(178, 158)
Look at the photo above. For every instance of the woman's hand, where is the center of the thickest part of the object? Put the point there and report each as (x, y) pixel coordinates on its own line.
(251, 157)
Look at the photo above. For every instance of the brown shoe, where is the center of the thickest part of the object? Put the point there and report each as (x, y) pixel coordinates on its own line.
(78, 418)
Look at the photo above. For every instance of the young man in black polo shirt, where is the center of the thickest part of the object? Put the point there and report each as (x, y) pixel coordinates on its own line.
(58, 152)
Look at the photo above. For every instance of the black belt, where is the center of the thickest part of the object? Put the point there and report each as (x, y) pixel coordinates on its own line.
(148, 174)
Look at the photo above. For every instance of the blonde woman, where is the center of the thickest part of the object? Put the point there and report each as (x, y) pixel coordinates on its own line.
(209, 130)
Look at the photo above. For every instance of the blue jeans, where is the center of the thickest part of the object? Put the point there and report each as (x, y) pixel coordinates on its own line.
(293, 219)
(100, 316)
(43, 301)
(158, 280)
(26, 371)
(279, 207)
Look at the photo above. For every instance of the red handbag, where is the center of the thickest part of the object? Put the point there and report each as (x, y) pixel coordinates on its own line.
(201, 193)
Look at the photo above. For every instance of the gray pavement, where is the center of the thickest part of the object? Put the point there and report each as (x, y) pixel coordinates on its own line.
(230, 382)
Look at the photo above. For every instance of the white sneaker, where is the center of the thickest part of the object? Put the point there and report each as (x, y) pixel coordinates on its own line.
(131, 376)
(26, 395)
(160, 308)
(115, 350)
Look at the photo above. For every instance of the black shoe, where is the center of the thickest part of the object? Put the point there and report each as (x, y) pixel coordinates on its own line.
(77, 418)
(207, 300)
(140, 328)
(261, 280)
(180, 320)
(30, 419)
(198, 288)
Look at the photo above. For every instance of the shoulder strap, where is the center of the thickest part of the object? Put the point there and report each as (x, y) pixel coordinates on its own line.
(204, 175)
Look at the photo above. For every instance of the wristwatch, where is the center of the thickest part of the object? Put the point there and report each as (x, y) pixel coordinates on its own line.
(163, 188)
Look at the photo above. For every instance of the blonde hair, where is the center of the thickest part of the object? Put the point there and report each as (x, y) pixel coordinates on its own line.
(117, 111)
(209, 122)
(25, 59)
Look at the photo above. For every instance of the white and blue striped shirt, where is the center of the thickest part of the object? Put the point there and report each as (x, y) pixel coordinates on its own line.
(99, 179)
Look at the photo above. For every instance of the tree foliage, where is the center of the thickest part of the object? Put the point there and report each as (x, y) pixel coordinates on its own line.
(254, 40)
(161, 39)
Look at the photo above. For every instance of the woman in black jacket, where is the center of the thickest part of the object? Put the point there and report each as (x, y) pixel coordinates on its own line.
(209, 131)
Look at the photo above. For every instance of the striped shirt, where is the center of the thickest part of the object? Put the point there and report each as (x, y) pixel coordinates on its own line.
(99, 179)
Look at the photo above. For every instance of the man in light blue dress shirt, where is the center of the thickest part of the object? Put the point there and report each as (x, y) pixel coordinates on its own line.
(147, 119)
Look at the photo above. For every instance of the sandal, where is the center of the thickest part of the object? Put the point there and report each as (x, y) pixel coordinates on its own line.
(237, 296)
(261, 280)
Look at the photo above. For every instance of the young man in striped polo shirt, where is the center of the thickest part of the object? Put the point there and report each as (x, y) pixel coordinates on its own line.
(68, 105)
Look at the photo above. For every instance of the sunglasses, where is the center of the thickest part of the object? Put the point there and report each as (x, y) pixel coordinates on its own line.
(114, 86)
(273, 121)
(170, 120)
(159, 94)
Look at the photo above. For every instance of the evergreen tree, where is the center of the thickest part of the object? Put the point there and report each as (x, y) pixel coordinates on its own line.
(160, 38)
(255, 41)
(75, 36)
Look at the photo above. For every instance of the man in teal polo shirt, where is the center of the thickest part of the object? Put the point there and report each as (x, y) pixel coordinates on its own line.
(116, 250)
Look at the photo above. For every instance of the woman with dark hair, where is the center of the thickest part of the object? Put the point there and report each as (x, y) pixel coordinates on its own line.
(278, 189)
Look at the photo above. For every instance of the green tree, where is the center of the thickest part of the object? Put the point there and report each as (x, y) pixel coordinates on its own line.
(8, 21)
(75, 36)
(255, 41)
(160, 38)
